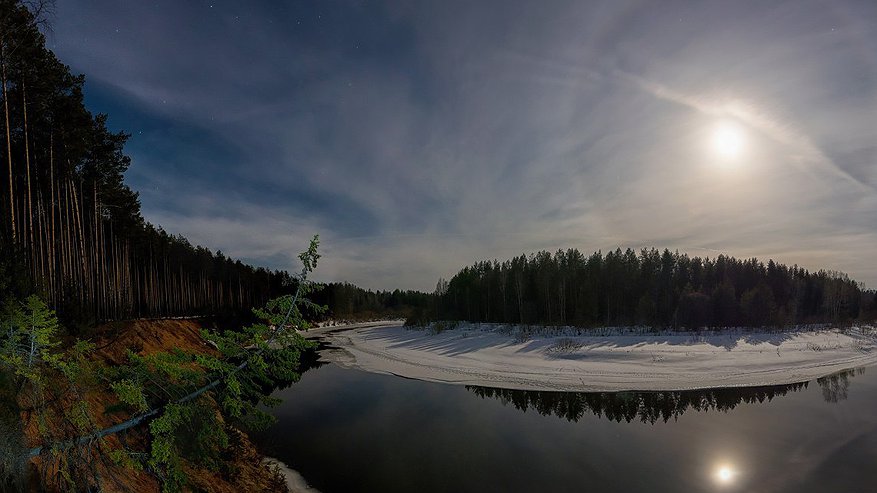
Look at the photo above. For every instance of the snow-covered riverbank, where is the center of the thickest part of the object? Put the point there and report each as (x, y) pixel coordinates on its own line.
(560, 359)
(294, 481)
(321, 329)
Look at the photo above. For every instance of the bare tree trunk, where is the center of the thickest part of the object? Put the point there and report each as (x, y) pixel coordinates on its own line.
(94, 275)
(41, 240)
(50, 237)
(27, 165)
(548, 297)
(82, 251)
(502, 289)
(560, 302)
(69, 237)
(8, 138)
(519, 284)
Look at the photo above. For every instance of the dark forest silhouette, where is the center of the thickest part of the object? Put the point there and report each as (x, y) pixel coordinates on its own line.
(655, 288)
(70, 228)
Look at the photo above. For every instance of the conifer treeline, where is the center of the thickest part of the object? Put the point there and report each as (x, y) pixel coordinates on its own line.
(650, 288)
(68, 220)
(347, 301)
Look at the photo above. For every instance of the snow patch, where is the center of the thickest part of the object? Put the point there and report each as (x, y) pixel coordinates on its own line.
(606, 359)
(294, 480)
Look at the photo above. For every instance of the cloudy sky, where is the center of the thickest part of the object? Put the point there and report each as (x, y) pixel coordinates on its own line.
(417, 137)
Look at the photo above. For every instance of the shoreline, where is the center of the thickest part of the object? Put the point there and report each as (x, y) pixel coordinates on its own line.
(321, 331)
(562, 359)
(294, 480)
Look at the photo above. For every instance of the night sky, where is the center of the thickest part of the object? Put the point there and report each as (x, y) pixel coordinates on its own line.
(418, 137)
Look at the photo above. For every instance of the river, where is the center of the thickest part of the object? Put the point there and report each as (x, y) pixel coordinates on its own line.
(346, 430)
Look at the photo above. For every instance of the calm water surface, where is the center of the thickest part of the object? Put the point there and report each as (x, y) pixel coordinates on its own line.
(348, 430)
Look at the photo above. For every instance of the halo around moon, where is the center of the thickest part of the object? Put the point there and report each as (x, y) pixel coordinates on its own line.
(727, 140)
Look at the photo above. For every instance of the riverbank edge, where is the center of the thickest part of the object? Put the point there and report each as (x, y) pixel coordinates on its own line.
(515, 362)
(295, 482)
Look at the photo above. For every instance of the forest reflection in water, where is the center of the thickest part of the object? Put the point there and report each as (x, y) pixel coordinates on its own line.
(652, 407)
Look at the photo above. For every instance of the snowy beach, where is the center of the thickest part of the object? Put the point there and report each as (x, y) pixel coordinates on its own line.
(565, 359)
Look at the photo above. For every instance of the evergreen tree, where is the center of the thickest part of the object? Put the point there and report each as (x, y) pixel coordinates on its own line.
(652, 288)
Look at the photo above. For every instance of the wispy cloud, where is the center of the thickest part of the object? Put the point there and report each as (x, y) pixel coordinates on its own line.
(802, 152)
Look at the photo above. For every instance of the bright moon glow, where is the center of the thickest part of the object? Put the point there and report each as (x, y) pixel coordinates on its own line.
(724, 475)
(728, 140)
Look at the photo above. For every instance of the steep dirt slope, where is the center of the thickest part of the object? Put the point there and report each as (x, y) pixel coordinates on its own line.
(244, 468)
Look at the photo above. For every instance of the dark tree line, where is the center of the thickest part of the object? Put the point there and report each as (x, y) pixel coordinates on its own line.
(347, 301)
(653, 288)
(70, 229)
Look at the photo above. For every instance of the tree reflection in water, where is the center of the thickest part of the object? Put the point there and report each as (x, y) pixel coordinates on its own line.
(651, 407)
(834, 387)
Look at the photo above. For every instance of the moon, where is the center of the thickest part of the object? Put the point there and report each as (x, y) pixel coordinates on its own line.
(724, 475)
(728, 140)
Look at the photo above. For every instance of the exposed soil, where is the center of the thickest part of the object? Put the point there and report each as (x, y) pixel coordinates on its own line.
(243, 468)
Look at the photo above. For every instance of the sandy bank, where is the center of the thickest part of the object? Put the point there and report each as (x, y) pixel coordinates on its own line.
(498, 356)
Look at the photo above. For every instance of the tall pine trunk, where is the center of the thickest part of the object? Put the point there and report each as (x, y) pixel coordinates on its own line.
(8, 137)
(30, 217)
